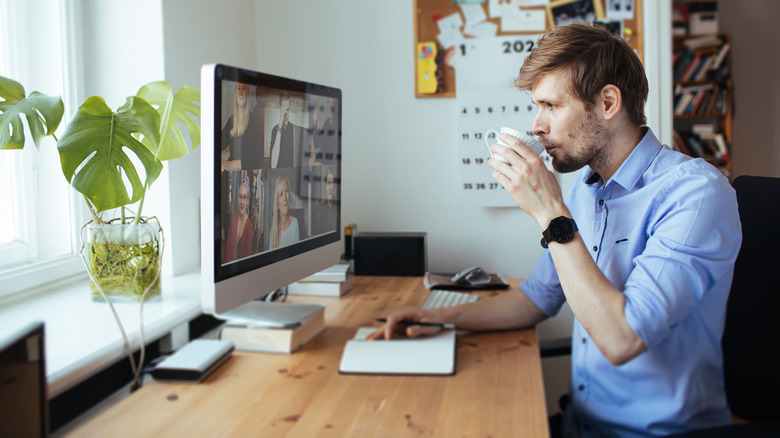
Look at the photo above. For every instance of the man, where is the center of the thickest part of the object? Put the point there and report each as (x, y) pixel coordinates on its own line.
(283, 136)
(325, 212)
(642, 246)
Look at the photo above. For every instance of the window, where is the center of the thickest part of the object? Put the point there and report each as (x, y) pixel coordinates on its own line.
(38, 240)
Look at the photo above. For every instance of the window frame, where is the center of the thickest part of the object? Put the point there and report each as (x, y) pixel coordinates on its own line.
(26, 273)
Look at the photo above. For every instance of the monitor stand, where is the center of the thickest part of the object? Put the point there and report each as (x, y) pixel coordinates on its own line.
(270, 314)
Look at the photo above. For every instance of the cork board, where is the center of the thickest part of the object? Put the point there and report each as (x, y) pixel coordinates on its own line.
(428, 12)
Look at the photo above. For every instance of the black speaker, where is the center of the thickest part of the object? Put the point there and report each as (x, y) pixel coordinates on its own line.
(390, 254)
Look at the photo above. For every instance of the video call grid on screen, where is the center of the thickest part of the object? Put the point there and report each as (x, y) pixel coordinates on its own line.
(279, 149)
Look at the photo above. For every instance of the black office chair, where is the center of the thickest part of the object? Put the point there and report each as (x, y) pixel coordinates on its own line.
(750, 348)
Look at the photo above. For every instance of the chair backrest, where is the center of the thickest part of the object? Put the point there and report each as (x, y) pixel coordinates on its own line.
(750, 342)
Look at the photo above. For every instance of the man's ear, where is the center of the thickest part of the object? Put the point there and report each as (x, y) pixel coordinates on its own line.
(611, 101)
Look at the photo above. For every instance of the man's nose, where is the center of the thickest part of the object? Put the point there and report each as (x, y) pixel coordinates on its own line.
(540, 125)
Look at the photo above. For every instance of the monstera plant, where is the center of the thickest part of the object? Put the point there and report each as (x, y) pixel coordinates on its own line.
(112, 158)
(43, 114)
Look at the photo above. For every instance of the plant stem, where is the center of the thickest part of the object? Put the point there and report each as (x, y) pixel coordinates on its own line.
(95, 217)
(141, 204)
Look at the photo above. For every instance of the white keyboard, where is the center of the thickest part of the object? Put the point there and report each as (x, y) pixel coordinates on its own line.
(447, 298)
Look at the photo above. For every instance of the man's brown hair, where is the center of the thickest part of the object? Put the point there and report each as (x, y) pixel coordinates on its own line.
(594, 58)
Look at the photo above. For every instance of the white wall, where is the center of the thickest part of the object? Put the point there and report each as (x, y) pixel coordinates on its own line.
(198, 32)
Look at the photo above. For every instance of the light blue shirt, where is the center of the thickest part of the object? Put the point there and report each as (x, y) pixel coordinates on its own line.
(664, 230)
(291, 234)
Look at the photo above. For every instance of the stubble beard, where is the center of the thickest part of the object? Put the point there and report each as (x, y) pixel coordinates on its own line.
(592, 138)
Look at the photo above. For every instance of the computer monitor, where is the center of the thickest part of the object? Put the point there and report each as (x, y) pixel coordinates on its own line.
(270, 183)
(24, 405)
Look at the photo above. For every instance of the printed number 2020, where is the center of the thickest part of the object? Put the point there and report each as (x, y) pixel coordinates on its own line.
(517, 46)
(509, 46)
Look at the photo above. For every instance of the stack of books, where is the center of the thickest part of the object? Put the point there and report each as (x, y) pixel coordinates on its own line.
(334, 281)
(701, 59)
(272, 327)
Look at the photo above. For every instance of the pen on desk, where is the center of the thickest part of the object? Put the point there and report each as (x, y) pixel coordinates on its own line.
(426, 324)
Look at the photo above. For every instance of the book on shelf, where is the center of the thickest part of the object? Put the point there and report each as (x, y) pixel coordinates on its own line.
(721, 56)
(712, 103)
(720, 142)
(703, 72)
(680, 145)
(321, 288)
(701, 59)
(704, 145)
(693, 108)
(693, 142)
(691, 66)
(257, 337)
(701, 99)
(702, 42)
(682, 63)
(682, 103)
(338, 272)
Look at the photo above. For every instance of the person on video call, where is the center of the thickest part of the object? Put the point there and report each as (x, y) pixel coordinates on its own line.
(241, 138)
(329, 134)
(327, 209)
(323, 142)
(283, 136)
(314, 134)
(284, 226)
(240, 232)
(642, 246)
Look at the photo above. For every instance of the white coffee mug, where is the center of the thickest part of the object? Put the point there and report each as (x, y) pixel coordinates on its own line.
(529, 141)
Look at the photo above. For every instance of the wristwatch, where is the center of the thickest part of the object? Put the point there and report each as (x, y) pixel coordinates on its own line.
(561, 230)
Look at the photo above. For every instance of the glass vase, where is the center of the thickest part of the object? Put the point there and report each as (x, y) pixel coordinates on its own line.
(124, 260)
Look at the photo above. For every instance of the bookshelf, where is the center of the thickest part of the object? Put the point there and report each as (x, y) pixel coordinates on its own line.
(703, 95)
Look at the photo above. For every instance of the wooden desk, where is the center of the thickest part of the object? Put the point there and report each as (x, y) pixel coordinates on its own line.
(497, 390)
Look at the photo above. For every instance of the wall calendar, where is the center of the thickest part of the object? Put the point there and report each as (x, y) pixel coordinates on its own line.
(485, 69)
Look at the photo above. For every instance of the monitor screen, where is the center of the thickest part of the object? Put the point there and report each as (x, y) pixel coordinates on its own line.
(23, 396)
(270, 183)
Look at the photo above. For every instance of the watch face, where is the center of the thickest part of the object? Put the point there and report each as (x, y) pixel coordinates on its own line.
(561, 229)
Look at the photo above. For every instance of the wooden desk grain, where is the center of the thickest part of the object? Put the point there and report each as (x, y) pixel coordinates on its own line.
(497, 390)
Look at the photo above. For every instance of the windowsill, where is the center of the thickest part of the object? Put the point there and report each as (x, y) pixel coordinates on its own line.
(82, 336)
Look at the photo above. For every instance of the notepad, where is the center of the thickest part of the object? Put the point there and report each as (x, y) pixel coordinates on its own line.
(430, 355)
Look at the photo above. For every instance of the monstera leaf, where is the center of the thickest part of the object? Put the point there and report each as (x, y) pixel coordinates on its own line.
(172, 109)
(43, 114)
(94, 151)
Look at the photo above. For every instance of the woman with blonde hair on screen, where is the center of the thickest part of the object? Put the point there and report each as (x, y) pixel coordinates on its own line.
(240, 141)
(284, 226)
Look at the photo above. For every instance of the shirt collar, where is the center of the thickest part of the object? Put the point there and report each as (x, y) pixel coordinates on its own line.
(632, 169)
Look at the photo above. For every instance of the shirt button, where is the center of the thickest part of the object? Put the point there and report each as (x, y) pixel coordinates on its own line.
(584, 340)
(581, 387)
(601, 202)
(595, 248)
